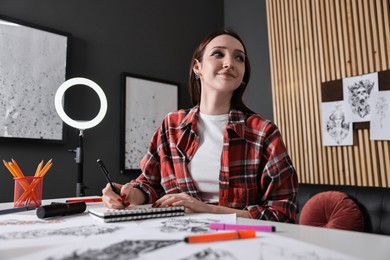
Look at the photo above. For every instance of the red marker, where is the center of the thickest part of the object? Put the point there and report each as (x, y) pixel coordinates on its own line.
(86, 200)
(204, 238)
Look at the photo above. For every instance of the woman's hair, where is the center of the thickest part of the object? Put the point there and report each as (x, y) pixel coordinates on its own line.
(194, 82)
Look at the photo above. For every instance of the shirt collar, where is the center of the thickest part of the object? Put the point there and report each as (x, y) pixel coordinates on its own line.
(236, 121)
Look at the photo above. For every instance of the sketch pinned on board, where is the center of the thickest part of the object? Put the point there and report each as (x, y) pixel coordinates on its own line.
(145, 102)
(380, 119)
(336, 125)
(357, 92)
(32, 66)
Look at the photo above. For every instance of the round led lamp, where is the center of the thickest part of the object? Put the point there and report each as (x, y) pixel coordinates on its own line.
(59, 97)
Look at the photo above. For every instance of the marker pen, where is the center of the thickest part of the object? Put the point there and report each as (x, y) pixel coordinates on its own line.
(204, 238)
(15, 210)
(222, 226)
(86, 200)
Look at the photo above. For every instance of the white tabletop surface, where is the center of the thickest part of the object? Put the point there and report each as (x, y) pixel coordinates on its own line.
(355, 244)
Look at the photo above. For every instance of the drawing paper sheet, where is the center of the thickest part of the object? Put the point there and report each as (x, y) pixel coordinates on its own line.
(30, 231)
(380, 117)
(336, 124)
(357, 93)
(180, 227)
(265, 246)
(27, 232)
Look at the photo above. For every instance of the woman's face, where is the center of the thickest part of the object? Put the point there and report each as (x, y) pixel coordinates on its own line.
(223, 65)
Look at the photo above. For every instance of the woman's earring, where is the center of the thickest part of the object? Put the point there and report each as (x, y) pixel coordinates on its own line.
(242, 84)
(196, 76)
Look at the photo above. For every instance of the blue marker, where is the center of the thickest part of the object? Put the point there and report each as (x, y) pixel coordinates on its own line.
(15, 210)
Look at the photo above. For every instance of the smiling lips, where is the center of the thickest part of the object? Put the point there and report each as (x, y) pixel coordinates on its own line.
(227, 74)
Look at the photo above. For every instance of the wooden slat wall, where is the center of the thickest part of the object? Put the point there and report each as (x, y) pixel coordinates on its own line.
(313, 41)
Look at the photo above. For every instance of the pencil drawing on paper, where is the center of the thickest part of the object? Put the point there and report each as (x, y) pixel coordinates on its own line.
(79, 231)
(186, 225)
(211, 254)
(359, 94)
(127, 249)
(274, 251)
(336, 125)
(17, 222)
(381, 108)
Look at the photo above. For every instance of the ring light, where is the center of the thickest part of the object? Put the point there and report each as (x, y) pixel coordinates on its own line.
(58, 102)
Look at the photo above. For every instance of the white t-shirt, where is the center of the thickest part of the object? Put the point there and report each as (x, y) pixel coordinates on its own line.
(206, 163)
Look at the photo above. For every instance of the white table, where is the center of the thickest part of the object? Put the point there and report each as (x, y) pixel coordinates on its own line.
(355, 244)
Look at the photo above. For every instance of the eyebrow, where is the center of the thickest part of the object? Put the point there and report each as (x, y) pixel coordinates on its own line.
(223, 47)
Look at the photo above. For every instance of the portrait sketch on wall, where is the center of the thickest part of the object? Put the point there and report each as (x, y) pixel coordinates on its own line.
(380, 118)
(336, 126)
(145, 102)
(32, 67)
(357, 92)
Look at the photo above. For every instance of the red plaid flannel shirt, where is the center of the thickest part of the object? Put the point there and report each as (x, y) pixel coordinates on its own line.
(256, 172)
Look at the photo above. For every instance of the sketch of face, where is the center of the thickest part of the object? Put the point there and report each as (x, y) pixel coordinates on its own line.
(359, 94)
(338, 119)
(336, 126)
(211, 254)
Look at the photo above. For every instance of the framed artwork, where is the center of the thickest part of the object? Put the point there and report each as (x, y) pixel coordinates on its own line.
(33, 63)
(145, 102)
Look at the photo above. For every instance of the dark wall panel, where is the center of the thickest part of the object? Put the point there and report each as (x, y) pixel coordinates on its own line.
(150, 37)
(249, 19)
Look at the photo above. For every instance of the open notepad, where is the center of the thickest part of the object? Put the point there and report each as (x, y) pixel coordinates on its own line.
(136, 213)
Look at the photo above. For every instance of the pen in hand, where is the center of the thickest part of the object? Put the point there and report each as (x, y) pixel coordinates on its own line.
(107, 175)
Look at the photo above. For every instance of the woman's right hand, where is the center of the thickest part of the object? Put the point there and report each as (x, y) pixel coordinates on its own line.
(111, 199)
(129, 196)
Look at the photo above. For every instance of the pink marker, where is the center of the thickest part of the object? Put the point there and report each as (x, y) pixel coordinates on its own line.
(222, 226)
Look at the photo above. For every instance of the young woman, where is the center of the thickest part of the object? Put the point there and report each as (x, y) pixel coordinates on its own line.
(219, 156)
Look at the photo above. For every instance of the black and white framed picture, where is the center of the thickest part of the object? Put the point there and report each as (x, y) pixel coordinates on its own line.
(33, 64)
(145, 102)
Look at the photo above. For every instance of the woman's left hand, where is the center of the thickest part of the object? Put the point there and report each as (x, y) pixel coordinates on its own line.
(190, 203)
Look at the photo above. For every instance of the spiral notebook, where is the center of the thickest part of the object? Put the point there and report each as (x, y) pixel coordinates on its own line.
(139, 212)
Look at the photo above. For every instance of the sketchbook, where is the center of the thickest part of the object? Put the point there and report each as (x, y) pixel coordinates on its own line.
(139, 212)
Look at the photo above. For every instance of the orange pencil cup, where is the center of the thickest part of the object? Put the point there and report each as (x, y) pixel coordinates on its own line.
(28, 191)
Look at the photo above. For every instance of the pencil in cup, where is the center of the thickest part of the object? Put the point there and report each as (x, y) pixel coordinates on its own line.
(35, 188)
(26, 187)
(14, 169)
(30, 196)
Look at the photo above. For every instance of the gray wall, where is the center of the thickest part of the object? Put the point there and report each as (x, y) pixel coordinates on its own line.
(249, 19)
(151, 37)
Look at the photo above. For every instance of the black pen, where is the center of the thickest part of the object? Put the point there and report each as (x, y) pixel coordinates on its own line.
(14, 210)
(107, 175)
